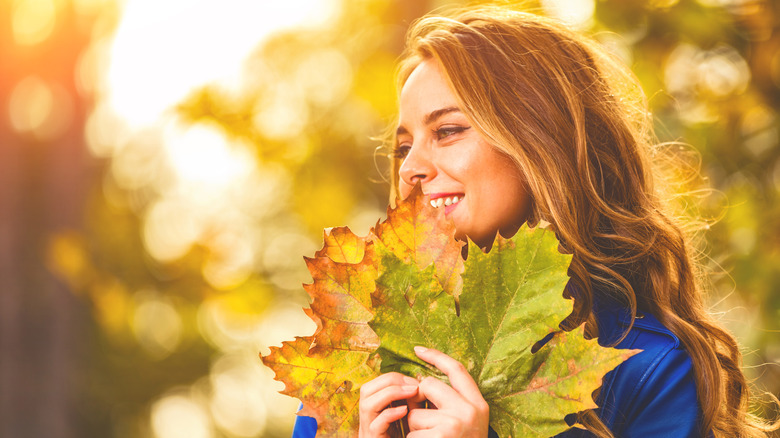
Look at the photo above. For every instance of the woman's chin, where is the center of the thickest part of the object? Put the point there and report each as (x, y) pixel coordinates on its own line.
(484, 242)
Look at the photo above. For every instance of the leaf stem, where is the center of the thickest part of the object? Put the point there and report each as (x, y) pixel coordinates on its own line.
(401, 423)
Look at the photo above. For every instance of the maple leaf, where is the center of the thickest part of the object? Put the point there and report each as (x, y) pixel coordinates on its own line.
(326, 380)
(325, 370)
(376, 297)
(418, 233)
(341, 302)
(512, 299)
(341, 245)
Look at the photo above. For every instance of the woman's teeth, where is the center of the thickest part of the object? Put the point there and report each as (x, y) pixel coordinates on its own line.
(445, 201)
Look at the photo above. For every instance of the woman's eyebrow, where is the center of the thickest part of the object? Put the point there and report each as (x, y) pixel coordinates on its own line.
(430, 118)
(433, 115)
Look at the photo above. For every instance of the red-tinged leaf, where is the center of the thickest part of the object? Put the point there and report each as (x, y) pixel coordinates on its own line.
(325, 371)
(418, 233)
(341, 302)
(326, 380)
(341, 245)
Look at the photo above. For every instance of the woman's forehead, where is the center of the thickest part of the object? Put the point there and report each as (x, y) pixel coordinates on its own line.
(425, 92)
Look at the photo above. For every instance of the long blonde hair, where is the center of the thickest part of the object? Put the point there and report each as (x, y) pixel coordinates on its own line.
(575, 121)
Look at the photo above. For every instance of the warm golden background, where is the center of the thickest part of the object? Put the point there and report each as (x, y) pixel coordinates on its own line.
(164, 165)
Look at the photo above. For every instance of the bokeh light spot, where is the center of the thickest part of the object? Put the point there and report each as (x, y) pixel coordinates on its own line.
(237, 404)
(104, 131)
(211, 39)
(698, 79)
(33, 21)
(326, 77)
(230, 262)
(288, 272)
(269, 193)
(91, 63)
(618, 46)
(284, 115)
(722, 3)
(723, 71)
(575, 13)
(170, 229)
(31, 104)
(139, 163)
(176, 416)
(281, 323)
(89, 8)
(718, 72)
(156, 324)
(224, 324)
(760, 131)
(202, 154)
(112, 305)
(663, 4)
(67, 255)
(41, 109)
(743, 240)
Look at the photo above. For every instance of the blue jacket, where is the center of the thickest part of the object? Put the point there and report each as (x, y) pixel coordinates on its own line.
(652, 394)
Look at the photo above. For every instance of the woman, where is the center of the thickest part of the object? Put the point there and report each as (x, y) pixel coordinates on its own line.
(512, 118)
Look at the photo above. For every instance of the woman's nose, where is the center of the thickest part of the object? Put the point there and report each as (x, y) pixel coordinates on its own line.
(417, 166)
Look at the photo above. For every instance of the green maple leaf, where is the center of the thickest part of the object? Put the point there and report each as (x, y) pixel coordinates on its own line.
(374, 298)
(512, 299)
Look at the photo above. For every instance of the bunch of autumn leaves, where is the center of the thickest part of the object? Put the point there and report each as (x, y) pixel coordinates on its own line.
(405, 284)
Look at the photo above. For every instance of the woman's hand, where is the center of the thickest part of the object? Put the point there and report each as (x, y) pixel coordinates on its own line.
(460, 409)
(375, 397)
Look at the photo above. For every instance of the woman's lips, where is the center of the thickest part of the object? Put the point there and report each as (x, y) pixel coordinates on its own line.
(447, 200)
(448, 209)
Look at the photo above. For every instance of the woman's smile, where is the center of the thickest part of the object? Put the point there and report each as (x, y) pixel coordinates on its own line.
(447, 200)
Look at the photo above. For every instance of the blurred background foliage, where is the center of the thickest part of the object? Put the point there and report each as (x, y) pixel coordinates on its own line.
(164, 165)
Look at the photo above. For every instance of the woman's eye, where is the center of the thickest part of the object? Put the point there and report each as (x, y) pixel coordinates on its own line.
(401, 151)
(447, 131)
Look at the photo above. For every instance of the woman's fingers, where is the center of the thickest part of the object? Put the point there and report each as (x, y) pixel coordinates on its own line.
(438, 393)
(460, 379)
(378, 393)
(417, 401)
(423, 419)
(379, 400)
(462, 411)
(455, 422)
(369, 388)
(376, 399)
(382, 422)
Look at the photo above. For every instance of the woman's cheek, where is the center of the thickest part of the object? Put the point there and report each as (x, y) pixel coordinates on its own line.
(405, 189)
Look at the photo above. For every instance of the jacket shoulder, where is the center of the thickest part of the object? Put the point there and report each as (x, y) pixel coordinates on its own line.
(653, 393)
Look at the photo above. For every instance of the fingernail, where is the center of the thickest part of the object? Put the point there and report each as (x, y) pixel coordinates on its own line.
(420, 350)
(410, 380)
(409, 387)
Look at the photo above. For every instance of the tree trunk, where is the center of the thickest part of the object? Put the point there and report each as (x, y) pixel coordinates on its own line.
(42, 189)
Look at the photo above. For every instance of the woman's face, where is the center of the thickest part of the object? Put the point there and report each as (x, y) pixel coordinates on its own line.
(481, 189)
